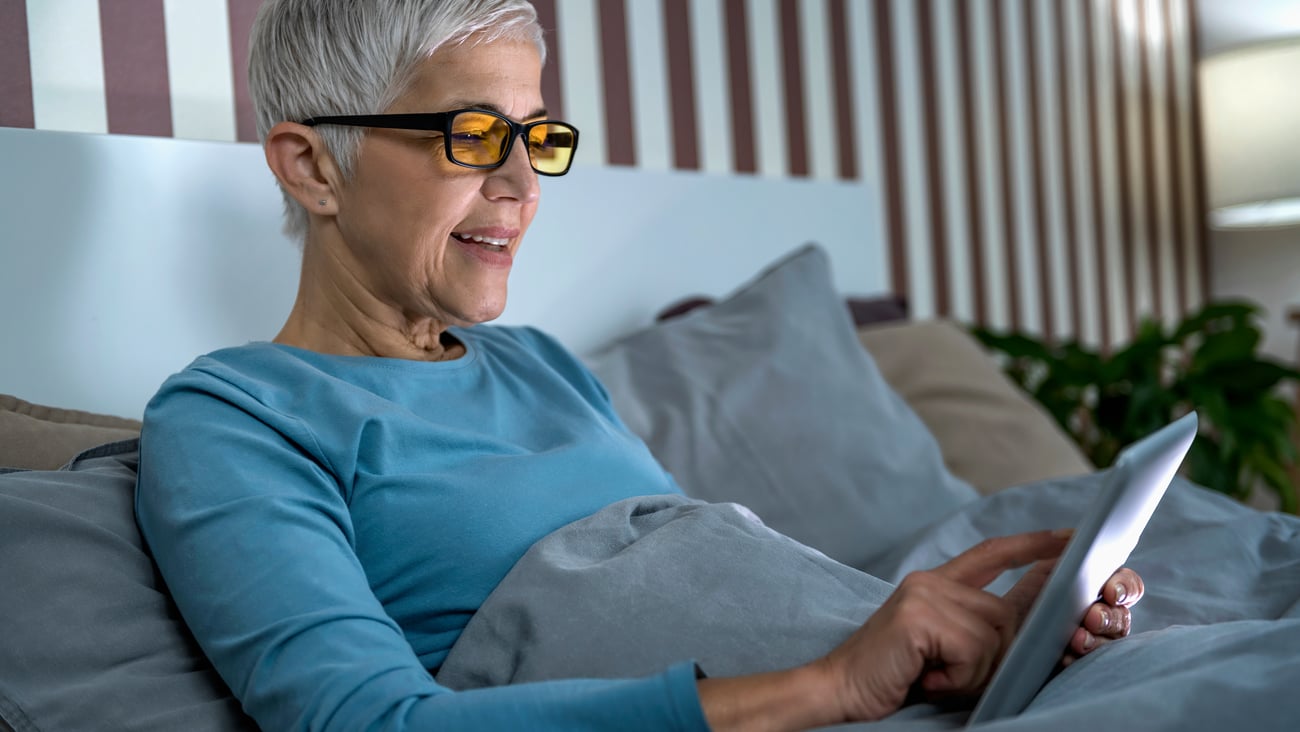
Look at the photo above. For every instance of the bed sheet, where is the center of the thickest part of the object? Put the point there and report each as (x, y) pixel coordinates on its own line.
(666, 578)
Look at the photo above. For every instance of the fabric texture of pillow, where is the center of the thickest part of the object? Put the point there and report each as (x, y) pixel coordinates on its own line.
(89, 639)
(37, 437)
(864, 310)
(880, 309)
(991, 434)
(768, 399)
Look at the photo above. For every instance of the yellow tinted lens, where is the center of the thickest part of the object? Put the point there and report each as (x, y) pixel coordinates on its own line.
(550, 147)
(478, 139)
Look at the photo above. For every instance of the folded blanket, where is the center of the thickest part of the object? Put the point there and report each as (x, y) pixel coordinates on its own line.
(651, 581)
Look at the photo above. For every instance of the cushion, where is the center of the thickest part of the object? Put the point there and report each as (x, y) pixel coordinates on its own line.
(880, 309)
(43, 438)
(864, 310)
(768, 399)
(90, 640)
(991, 433)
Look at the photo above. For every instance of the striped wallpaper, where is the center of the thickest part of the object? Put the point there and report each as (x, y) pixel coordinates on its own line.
(1035, 159)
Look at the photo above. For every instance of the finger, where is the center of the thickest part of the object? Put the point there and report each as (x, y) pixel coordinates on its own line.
(974, 629)
(1124, 588)
(1110, 622)
(1082, 642)
(982, 563)
(933, 588)
(1023, 594)
(970, 650)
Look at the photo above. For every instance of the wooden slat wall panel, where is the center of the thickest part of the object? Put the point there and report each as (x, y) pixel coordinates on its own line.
(1080, 112)
(15, 63)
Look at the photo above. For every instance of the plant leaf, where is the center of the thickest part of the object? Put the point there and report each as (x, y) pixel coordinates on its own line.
(1232, 310)
(1226, 347)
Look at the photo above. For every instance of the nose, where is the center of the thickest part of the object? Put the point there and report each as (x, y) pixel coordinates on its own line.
(515, 178)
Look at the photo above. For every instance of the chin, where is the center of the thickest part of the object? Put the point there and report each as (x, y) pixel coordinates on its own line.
(484, 311)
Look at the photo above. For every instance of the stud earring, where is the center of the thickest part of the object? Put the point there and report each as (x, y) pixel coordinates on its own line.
(322, 202)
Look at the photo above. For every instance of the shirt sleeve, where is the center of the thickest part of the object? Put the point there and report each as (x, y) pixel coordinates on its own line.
(253, 537)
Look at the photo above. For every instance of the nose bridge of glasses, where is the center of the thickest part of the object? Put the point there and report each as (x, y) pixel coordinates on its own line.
(527, 133)
(503, 134)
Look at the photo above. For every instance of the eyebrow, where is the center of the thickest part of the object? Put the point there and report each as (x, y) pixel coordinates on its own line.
(538, 113)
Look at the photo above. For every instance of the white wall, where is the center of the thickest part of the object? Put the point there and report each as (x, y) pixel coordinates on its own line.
(1264, 267)
(122, 258)
(1226, 24)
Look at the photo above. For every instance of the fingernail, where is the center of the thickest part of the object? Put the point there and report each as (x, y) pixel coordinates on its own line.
(1121, 594)
(1089, 641)
(1105, 620)
(1062, 533)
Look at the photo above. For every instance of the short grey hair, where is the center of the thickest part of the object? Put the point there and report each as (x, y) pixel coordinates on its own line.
(310, 58)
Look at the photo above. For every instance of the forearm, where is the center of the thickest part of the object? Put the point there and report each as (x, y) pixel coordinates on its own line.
(796, 699)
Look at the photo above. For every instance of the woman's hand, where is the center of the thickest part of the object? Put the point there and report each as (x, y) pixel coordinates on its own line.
(1108, 618)
(940, 630)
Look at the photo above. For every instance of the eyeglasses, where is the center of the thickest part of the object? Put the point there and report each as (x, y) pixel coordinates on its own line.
(477, 138)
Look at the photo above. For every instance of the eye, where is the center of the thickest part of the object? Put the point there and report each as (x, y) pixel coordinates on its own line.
(469, 137)
(474, 129)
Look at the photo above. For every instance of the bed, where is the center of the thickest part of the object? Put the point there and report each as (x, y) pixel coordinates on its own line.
(743, 330)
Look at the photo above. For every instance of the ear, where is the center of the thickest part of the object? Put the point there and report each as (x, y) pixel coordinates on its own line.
(304, 167)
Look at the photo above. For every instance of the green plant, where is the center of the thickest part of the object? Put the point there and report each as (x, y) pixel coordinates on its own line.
(1208, 362)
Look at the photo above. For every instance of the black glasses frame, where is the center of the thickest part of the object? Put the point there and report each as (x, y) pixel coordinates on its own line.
(442, 122)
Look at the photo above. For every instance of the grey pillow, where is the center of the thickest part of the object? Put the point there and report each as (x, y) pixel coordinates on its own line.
(89, 638)
(768, 399)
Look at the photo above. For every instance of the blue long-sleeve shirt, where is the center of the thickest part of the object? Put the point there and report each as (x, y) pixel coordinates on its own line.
(329, 524)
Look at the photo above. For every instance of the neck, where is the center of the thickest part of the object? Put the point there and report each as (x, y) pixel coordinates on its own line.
(335, 312)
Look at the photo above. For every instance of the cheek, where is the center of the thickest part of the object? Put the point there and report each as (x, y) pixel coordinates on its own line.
(529, 211)
(424, 220)
(413, 200)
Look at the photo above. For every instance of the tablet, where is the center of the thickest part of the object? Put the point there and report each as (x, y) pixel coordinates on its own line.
(1100, 545)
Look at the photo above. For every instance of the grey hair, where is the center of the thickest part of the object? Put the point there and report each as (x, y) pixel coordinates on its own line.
(310, 58)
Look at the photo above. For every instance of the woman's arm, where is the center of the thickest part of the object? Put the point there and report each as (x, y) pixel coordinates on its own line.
(254, 539)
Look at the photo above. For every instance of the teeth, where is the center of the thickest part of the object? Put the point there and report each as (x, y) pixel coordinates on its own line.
(482, 239)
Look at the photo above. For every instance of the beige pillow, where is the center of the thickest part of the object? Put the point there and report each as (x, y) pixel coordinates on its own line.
(991, 433)
(45, 438)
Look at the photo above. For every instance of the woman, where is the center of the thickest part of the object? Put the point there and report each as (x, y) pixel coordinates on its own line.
(330, 509)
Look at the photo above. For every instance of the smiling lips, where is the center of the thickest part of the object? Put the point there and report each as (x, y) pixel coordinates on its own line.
(492, 241)
(488, 245)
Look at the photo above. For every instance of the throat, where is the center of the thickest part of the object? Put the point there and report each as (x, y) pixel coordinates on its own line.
(449, 348)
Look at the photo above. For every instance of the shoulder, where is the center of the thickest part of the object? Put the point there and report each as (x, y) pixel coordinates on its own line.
(258, 371)
(257, 388)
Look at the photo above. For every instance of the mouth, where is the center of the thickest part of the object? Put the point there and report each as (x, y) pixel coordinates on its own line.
(490, 243)
(489, 246)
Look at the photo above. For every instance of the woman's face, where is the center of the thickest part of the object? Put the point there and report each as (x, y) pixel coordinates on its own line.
(408, 218)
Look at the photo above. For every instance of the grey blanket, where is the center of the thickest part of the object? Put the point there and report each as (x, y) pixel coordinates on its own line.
(652, 581)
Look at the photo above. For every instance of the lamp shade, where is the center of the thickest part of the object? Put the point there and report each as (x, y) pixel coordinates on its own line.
(1250, 112)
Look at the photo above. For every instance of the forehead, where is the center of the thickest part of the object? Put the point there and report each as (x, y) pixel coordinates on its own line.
(505, 74)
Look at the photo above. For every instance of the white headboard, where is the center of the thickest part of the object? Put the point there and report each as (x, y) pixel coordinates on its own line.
(122, 258)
